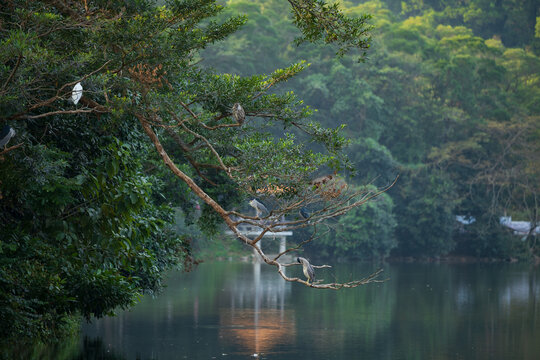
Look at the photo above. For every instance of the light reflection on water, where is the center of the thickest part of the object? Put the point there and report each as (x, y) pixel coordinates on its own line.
(425, 311)
(256, 320)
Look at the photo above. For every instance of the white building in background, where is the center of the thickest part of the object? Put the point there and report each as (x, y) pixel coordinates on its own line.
(465, 219)
(252, 231)
(519, 227)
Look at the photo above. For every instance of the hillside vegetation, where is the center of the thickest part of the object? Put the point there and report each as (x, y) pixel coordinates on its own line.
(449, 98)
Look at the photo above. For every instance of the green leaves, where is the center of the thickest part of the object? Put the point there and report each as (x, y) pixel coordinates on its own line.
(282, 162)
(320, 21)
(365, 232)
(431, 104)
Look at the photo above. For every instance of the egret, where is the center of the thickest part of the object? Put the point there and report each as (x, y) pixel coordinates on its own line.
(258, 206)
(238, 113)
(76, 94)
(309, 272)
(6, 135)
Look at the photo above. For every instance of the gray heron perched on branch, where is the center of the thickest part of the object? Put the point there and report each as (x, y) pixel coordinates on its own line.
(258, 206)
(6, 135)
(238, 113)
(76, 94)
(309, 272)
(304, 213)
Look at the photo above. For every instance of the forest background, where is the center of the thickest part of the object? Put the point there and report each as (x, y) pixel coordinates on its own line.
(449, 98)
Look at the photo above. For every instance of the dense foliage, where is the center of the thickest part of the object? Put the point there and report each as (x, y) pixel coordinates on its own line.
(448, 98)
(365, 232)
(86, 203)
(84, 226)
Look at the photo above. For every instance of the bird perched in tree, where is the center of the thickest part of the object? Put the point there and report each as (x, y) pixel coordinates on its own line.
(238, 113)
(329, 186)
(304, 213)
(258, 206)
(309, 272)
(6, 135)
(76, 94)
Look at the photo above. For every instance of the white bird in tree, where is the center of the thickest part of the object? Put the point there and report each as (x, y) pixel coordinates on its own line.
(238, 113)
(76, 94)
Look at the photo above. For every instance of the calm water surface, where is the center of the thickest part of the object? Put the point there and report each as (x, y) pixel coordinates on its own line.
(424, 311)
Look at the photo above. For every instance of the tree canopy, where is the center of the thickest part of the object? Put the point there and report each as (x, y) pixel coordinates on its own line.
(448, 98)
(85, 202)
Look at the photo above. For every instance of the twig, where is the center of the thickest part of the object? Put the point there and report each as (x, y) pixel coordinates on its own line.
(6, 150)
(12, 72)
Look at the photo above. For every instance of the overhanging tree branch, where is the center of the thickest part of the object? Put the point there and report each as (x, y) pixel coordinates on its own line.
(273, 223)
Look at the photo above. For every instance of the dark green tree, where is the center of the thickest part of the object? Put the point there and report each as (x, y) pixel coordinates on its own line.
(365, 232)
(433, 85)
(86, 227)
(425, 213)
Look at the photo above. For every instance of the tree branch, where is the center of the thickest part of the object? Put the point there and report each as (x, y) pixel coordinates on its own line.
(11, 148)
(273, 226)
(19, 58)
(22, 115)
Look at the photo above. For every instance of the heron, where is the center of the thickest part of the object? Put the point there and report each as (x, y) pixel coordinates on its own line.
(304, 213)
(238, 113)
(76, 94)
(309, 272)
(258, 206)
(6, 135)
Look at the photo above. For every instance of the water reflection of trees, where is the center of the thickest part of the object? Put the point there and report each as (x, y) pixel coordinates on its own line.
(474, 311)
(95, 349)
(438, 311)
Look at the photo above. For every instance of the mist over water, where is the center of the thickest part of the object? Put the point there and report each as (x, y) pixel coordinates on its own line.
(424, 311)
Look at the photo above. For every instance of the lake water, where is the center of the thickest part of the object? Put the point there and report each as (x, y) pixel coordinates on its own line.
(424, 311)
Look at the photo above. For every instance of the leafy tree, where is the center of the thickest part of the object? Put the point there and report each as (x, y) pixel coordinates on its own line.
(498, 164)
(372, 161)
(86, 200)
(86, 226)
(425, 213)
(320, 21)
(365, 232)
(430, 89)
